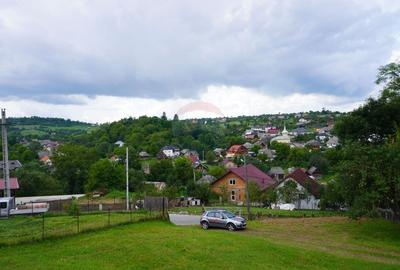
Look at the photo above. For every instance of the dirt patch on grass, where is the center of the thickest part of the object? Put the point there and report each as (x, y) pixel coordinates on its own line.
(335, 235)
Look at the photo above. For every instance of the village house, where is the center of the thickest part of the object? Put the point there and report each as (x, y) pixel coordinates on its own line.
(277, 173)
(228, 164)
(236, 150)
(119, 143)
(143, 155)
(232, 184)
(332, 142)
(12, 165)
(170, 151)
(308, 190)
(14, 185)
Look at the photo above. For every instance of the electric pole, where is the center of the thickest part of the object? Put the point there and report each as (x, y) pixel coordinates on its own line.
(127, 178)
(6, 169)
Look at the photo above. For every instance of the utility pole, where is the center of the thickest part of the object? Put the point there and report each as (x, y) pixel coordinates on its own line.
(127, 178)
(6, 169)
(247, 187)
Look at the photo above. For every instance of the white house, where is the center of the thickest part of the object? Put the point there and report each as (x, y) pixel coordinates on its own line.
(308, 190)
(171, 151)
(332, 142)
(119, 143)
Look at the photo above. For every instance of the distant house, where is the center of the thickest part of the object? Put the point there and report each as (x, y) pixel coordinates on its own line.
(219, 152)
(115, 158)
(236, 150)
(119, 143)
(14, 185)
(260, 143)
(46, 160)
(200, 167)
(272, 131)
(228, 164)
(193, 156)
(332, 142)
(299, 131)
(268, 152)
(313, 144)
(171, 151)
(143, 155)
(206, 179)
(277, 173)
(308, 190)
(249, 134)
(322, 137)
(233, 183)
(248, 145)
(314, 172)
(12, 165)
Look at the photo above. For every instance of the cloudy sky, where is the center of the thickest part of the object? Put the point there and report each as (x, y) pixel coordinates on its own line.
(99, 61)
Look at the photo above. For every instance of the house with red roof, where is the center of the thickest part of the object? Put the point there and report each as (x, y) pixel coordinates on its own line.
(233, 183)
(14, 185)
(236, 150)
(308, 190)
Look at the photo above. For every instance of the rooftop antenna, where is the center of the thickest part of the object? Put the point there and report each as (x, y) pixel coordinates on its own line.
(6, 169)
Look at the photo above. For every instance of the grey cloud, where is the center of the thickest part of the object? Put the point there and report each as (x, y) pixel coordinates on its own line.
(162, 50)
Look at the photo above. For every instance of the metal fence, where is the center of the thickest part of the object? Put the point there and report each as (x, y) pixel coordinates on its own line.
(70, 217)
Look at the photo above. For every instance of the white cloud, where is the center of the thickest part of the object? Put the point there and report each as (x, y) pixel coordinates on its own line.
(231, 100)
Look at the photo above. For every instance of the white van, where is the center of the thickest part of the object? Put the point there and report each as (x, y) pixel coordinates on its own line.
(6, 204)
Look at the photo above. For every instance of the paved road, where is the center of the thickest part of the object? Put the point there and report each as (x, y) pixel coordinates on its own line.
(179, 219)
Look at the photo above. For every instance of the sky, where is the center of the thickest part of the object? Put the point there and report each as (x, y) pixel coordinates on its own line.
(100, 61)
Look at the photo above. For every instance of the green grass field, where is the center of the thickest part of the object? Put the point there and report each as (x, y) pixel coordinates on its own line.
(30, 228)
(290, 243)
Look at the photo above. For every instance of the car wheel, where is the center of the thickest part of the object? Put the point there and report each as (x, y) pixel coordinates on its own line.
(204, 225)
(231, 227)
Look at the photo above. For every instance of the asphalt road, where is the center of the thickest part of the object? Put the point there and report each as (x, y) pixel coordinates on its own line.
(179, 219)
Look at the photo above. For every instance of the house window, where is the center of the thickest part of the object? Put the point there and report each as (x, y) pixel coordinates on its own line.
(232, 181)
(233, 195)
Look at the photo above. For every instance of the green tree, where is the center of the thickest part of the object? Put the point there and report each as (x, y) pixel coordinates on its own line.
(210, 157)
(35, 180)
(105, 175)
(288, 192)
(72, 163)
(216, 171)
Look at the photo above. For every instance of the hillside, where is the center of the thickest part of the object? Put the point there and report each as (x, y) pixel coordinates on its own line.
(45, 128)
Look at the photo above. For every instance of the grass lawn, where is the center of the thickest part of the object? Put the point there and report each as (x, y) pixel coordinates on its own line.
(321, 243)
(19, 229)
(261, 211)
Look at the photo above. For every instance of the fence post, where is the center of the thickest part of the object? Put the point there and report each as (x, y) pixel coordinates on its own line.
(163, 207)
(42, 226)
(109, 216)
(77, 221)
(32, 207)
(130, 213)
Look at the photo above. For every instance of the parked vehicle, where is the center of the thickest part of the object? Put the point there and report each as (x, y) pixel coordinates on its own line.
(6, 204)
(222, 219)
(284, 206)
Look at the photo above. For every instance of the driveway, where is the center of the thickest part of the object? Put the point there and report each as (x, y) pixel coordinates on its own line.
(179, 219)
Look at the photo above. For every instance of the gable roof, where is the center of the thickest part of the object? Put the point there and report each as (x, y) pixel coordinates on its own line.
(254, 174)
(237, 148)
(170, 147)
(276, 170)
(304, 180)
(13, 183)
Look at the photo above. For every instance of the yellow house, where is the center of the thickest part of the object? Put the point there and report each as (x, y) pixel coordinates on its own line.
(233, 184)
